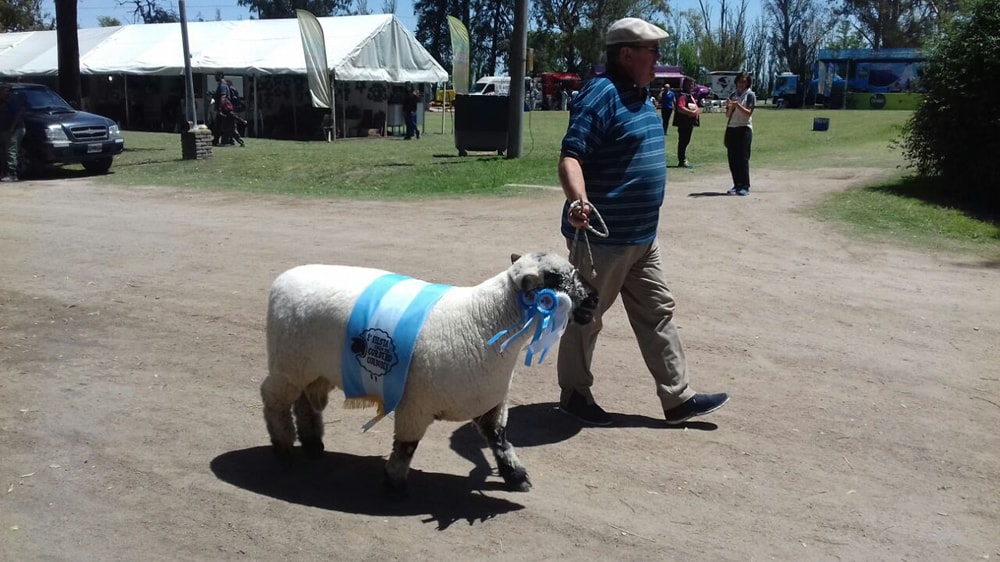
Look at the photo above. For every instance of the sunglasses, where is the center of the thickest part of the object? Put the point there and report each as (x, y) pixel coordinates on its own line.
(654, 50)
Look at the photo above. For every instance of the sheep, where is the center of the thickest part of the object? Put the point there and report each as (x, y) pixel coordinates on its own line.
(456, 372)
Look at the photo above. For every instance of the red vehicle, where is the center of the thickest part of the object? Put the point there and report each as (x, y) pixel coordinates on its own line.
(553, 84)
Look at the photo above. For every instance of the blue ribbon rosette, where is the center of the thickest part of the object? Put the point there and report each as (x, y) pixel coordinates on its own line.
(549, 312)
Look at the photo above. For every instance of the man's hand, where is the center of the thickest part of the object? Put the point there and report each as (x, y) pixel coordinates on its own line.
(579, 214)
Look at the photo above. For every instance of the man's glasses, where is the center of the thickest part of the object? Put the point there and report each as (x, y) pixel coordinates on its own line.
(654, 50)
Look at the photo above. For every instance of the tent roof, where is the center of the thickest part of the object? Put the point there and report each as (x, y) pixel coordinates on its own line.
(373, 47)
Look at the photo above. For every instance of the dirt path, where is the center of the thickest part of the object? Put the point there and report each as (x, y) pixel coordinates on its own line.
(864, 424)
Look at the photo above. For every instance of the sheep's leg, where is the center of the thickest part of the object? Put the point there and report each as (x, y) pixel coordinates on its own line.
(278, 397)
(493, 426)
(408, 434)
(397, 468)
(309, 417)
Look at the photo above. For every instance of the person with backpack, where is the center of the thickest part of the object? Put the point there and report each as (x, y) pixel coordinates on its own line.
(222, 107)
(233, 122)
(686, 118)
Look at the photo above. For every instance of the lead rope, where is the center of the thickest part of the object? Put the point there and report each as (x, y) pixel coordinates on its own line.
(603, 233)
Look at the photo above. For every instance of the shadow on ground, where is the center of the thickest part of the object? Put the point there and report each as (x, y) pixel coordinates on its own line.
(353, 484)
(532, 425)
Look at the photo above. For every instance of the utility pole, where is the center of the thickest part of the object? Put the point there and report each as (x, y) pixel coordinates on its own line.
(190, 114)
(518, 58)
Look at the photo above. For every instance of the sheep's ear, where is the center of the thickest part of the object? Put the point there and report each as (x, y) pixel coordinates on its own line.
(514, 257)
(526, 274)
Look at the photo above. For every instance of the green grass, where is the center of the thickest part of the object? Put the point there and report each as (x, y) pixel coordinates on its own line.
(916, 212)
(391, 167)
(910, 211)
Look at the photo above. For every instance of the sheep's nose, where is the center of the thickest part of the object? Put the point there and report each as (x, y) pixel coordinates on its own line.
(582, 316)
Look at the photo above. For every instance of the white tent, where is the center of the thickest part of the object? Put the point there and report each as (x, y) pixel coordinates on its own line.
(35, 53)
(373, 48)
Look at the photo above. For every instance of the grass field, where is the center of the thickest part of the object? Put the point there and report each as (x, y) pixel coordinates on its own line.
(391, 167)
(904, 209)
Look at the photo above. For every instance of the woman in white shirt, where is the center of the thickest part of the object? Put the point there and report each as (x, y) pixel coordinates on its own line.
(739, 133)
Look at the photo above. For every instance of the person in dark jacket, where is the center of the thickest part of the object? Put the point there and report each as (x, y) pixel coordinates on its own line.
(221, 122)
(11, 130)
(411, 99)
(687, 116)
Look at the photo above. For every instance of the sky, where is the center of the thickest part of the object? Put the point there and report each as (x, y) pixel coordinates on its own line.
(89, 10)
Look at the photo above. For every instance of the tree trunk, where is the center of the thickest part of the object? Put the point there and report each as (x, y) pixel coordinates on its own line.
(69, 52)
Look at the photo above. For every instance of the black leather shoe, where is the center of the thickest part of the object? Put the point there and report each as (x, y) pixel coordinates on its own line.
(697, 405)
(590, 414)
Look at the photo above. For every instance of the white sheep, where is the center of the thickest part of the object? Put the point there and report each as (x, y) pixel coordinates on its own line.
(454, 374)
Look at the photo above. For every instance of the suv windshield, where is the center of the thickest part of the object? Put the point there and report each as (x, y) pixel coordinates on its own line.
(40, 99)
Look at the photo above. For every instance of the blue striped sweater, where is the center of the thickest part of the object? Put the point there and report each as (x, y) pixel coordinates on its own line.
(616, 134)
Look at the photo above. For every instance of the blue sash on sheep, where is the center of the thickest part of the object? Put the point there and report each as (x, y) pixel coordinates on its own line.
(383, 327)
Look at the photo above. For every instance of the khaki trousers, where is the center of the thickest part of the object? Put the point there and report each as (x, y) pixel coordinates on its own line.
(635, 273)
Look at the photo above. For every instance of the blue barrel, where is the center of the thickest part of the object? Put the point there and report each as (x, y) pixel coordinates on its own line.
(821, 124)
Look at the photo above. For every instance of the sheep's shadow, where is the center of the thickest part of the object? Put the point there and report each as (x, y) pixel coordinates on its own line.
(531, 425)
(353, 484)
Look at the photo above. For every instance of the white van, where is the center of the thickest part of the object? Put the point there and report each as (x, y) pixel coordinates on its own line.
(495, 86)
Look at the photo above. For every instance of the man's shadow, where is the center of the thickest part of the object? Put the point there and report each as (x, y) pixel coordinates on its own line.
(353, 484)
(532, 425)
(709, 194)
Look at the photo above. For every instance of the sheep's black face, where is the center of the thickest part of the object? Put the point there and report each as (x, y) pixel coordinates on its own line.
(549, 271)
(583, 295)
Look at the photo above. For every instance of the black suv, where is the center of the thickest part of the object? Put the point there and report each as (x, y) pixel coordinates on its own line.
(55, 133)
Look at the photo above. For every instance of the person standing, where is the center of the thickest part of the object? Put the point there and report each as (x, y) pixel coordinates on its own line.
(667, 97)
(612, 160)
(11, 130)
(411, 99)
(221, 122)
(739, 133)
(687, 116)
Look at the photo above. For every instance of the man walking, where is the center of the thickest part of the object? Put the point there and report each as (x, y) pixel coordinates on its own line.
(613, 159)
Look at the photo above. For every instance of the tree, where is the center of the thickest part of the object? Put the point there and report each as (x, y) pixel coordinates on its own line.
(68, 51)
(893, 23)
(108, 21)
(843, 36)
(490, 23)
(952, 135)
(796, 31)
(759, 63)
(721, 46)
(149, 12)
(21, 15)
(573, 36)
(275, 9)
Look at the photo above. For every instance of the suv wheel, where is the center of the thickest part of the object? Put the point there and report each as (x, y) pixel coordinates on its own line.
(97, 166)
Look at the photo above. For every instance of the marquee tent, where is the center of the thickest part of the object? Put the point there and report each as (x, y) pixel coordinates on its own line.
(359, 48)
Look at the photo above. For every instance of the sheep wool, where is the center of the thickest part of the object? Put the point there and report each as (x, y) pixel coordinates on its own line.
(360, 329)
(381, 333)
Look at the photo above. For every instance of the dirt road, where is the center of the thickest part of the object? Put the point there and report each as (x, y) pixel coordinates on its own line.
(864, 423)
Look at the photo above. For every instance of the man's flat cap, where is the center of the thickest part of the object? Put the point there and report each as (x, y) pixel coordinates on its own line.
(634, 30)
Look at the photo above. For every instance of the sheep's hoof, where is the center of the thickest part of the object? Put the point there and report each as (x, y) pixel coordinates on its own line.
(282, 451)
(313, 449)
(517, 480)
(396, 490)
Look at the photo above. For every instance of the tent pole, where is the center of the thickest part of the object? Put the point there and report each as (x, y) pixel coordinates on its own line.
(333, 108)
(128, 118)
(444, 103)
(295, 113)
